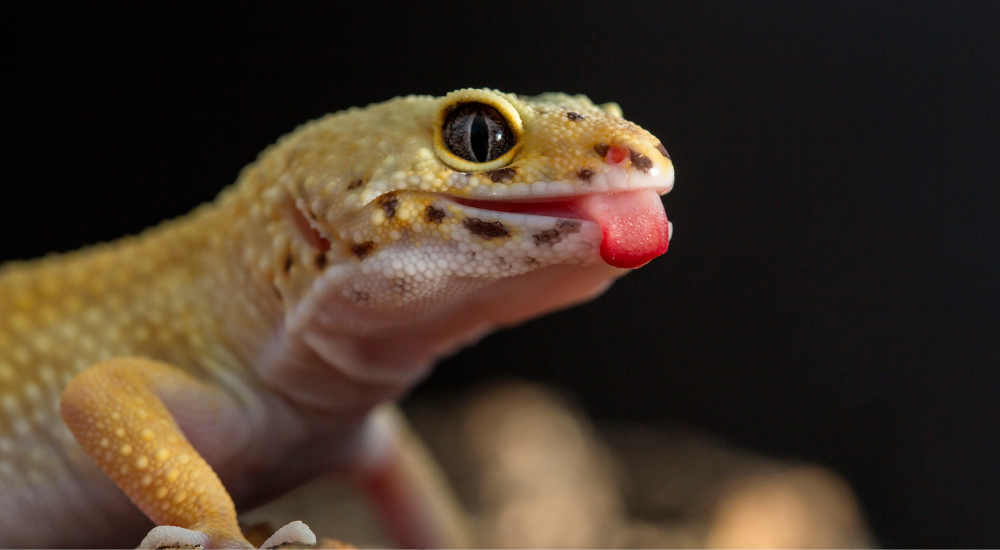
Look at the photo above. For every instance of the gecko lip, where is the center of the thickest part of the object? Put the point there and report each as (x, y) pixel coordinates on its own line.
(563, 207)
(613, 180)
(559, 199)
(527, 215)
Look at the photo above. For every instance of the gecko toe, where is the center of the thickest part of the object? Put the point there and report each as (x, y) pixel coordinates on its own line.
(168, 536)
(295, 532)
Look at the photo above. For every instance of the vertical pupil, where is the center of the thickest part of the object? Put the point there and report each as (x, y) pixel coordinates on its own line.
(479, 138)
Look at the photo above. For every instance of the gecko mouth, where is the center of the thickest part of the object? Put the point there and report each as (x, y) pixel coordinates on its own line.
(633, 225)
(564, 207)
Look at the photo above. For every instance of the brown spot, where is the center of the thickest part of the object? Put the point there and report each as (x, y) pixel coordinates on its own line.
(486, 230)
(549, 236)
(359, 296)
(321, 261)
(640, 161)
(501, 174)
(556, 234)
(601, 149)
(662, 150)
(362, 250)
(585, 174)
(288, 263)
(568, 226)
(433, 215)
(388, 202)
(574, 116)
(277, 293)
(355, 184)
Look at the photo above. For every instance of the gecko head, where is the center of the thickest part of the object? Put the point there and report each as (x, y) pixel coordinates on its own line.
(478, 199)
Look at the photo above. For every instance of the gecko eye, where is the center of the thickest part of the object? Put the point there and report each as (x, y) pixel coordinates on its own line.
(477, 133)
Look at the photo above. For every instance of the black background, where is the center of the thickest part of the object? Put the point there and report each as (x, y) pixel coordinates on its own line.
(831, 291)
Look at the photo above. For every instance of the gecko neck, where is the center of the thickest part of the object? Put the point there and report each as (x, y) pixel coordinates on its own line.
(316, 357)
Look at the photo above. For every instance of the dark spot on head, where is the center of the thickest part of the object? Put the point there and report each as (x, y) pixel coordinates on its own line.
(585, 174)
(556, 234)
(359, 296)
(321, 261)
(288, 263)
(433, 215)
(501, 174)
(548, 236)
(640, 161)
(362, 250)
(486, 230)
(388, 202)
(568, 226)
(601, 149)
(662, 150)
(355, 184)
(574, 116)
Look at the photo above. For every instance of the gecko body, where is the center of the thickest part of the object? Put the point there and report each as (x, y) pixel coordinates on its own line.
(232, 354)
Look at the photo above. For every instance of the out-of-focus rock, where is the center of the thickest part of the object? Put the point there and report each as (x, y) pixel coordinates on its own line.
(802, 507)
(533, 471)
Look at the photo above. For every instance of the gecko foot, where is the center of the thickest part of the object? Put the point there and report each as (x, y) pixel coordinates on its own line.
(168, 536)
(295, 532)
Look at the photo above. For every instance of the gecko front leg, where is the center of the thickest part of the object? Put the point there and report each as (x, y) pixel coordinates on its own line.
(116, 410)
(408, 489)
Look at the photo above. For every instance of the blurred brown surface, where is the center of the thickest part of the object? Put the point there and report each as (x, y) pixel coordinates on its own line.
(533, 472)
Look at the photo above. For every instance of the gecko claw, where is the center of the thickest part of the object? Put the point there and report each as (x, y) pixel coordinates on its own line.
(295, 532)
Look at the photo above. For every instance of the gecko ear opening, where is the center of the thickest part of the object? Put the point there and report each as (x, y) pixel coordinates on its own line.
(476, 130)
(308, 232)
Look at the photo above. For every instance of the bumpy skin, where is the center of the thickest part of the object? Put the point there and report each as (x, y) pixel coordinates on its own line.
(246, 345)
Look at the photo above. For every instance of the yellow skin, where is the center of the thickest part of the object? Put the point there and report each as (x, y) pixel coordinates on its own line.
(249, 344)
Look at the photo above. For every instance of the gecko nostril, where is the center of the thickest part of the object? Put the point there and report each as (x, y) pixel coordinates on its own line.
(617, 155)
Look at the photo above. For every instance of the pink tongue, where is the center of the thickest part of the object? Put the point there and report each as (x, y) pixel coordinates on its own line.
(634, 225)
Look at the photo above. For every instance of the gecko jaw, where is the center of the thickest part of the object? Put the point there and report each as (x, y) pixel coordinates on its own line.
(613, 180)
(559, 207)
(627, 222)
(560, 198)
